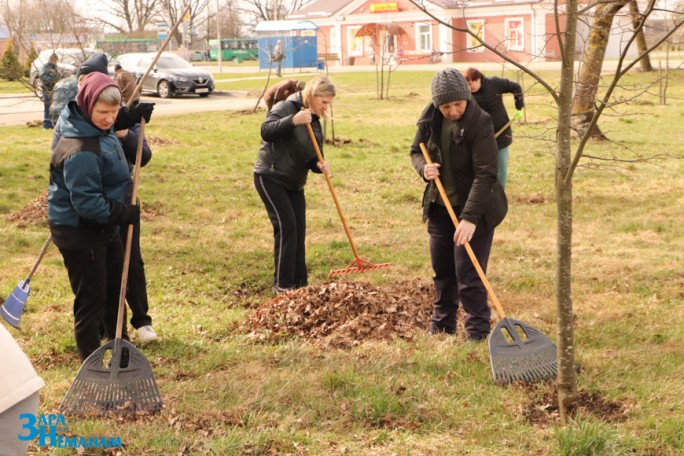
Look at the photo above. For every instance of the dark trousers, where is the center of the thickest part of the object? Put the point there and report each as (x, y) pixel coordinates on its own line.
(47, 123)
(95, 277)
(136, 291)
(287, 211)
(455, 276)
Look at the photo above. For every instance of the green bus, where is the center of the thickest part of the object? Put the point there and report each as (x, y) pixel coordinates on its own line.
(117, 46)
(235, 48)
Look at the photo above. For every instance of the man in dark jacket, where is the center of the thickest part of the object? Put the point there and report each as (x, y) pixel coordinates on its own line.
(459, 137)
(488, 94)
(49, 76)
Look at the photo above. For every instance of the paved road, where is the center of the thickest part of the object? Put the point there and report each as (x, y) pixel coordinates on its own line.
(22, 108)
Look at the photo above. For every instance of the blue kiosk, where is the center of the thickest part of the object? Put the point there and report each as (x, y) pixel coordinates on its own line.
(299, 43)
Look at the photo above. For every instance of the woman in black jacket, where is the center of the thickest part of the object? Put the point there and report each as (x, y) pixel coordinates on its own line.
(459, 137)
(285, 158)
(488, 94)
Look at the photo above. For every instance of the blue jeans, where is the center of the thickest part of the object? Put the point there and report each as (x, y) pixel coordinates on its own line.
(47, 123)
(503, 166)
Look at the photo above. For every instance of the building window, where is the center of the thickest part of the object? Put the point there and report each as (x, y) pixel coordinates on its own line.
(478, 28)
(424, 37)
(355, 43)
(515, 34)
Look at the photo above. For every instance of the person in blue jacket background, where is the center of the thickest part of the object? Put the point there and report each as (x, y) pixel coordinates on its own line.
(88, 176)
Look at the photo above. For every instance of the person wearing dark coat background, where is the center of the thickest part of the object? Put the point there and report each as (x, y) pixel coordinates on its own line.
(488, 94)
(281, 91)
(285, 158)
(459, 137)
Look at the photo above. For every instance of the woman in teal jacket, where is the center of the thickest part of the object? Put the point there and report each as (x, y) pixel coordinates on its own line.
(88, 174)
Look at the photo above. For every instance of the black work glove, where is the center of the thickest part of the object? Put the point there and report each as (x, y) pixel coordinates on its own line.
(129, 117)
(122, 213)
(519, 103)
(143, 110)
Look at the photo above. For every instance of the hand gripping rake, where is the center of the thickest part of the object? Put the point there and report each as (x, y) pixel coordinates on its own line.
(13, 306)
(359, 264)
(517, 351)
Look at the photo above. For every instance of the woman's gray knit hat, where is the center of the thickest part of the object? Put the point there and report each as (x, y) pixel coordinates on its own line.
(449, 85)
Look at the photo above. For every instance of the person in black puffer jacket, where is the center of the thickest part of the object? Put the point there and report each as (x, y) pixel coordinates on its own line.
(488, 94)
(459, 137)
(285, 158)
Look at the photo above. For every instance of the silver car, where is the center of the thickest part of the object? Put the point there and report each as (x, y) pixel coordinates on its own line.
(171, 76)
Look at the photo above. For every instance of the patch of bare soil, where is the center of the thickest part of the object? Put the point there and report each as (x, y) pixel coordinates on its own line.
(338, 141)
(34, 211)
(530, 199)
(542, 409)
(343, 314)
(159, 141)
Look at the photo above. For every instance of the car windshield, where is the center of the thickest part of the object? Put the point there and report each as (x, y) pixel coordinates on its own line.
(169, 61)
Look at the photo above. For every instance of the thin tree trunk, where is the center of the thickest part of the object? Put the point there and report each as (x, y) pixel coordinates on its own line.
(567, 377)
(583, 108)
(642, 46)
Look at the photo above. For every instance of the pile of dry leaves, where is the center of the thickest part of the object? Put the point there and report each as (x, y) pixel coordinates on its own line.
(34, 211)
(342, 314)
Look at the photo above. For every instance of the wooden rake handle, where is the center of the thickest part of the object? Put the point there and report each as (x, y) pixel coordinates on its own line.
(332, 192)
(39, 259)
(469, 249)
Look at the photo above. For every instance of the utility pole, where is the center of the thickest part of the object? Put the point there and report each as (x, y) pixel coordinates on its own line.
(218, 34)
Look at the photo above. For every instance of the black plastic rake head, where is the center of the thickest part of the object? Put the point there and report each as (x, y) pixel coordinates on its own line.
(519, 352)
(125, 386)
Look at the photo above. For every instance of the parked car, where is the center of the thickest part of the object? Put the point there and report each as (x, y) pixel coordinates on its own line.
(171, 76)
(69, 61)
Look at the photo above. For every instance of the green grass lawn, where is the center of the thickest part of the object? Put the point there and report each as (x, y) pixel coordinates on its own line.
(207, 245)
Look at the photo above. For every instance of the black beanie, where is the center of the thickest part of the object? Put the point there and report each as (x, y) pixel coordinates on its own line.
(449, 85)
(95, 63)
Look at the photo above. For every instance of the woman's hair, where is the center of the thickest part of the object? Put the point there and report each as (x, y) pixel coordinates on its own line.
(320, 86)
(110, 95)
(472, 74)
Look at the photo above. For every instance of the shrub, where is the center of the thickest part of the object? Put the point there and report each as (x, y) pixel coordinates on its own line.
(10, 68)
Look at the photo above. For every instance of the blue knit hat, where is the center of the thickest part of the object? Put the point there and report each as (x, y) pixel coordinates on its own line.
(95, 63)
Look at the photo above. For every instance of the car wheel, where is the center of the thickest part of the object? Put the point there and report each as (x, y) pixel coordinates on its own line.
(164, 89)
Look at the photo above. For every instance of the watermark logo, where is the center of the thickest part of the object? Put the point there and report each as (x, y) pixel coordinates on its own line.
(50, 430)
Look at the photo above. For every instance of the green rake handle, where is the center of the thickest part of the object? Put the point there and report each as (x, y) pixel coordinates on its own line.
(471, 254)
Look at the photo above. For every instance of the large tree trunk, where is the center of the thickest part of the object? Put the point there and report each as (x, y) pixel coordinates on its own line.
(642, 46)
(583, 108)
(567, 377)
